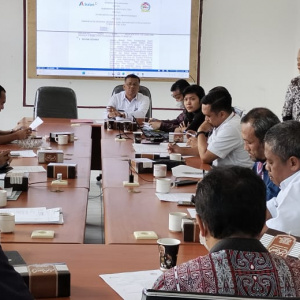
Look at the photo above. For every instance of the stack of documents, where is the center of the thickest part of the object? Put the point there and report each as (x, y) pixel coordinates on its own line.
(186, 171)
(161, 149)
(36, 215)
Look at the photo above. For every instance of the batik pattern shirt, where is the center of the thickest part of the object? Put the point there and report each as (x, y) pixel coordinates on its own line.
(171, 125)
(234, 272)
(291, 107)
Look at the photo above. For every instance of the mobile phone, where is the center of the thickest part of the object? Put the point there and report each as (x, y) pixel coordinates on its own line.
(185, 203)
(185, 182)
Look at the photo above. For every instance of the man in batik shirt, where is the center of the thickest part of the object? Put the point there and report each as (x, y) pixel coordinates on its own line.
(231, 209)
(291, 107)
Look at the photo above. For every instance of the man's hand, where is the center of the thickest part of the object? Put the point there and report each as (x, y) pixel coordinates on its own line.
(205, 126)
(23, 133)
(112, 112)
(192, 140)
(5, 158)
(155, 124)
(173, 148)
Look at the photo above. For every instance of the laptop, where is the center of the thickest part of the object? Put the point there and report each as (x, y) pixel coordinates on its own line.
(153, 135)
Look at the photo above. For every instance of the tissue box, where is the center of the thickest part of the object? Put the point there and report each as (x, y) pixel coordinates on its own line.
(67, 170)
(17, 181)
(142, 165)
(190, 230)
(53, 135)
(50, 156)
(46, 280)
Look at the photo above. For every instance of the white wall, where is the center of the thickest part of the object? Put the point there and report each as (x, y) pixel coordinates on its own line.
(250, 47)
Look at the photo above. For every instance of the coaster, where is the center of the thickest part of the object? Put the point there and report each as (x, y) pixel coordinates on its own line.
(42, 234)
(145, 235)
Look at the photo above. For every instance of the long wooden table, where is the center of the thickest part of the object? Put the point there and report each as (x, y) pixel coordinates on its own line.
(41, 193)
(126, 212)
(87, 262)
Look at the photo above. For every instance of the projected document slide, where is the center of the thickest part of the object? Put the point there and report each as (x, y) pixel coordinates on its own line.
(114, 38)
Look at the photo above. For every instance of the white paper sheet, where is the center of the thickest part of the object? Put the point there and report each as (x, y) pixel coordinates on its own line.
(192, 212)
(37, 122)
(162, 148)
(186, 171)
(130, 285)
(30, 169)
(36, 215)
(174, 197)
(23, 153)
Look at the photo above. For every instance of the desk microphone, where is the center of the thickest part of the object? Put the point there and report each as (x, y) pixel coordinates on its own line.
(131, 178)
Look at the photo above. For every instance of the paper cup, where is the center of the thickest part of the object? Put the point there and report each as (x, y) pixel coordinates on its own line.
(168, 251)
(159, 170)
(7, 222)
(137, 137)
(3, 198)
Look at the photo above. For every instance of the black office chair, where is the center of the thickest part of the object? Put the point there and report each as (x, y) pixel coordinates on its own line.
(143, 90)
(149, 294)
(55, 102)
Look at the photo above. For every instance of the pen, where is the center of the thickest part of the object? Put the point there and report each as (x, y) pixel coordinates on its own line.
(191, 134)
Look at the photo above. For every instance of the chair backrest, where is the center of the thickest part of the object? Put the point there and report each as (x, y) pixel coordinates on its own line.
(149, 294)
(143, 90)
(55, 102)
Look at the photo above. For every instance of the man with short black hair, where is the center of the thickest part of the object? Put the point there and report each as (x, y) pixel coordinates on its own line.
(177, 90)
(282, 151)
(129, 103)
(255, 125)
(231, 206)
(225, 144)
(13, 134)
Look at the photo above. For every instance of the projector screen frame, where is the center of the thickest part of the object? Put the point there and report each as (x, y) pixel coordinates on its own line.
(195, 46)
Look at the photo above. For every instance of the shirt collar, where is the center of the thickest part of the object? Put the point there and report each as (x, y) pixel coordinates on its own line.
(287, 181)
(226, 120)
(135, 98)
(239, 244)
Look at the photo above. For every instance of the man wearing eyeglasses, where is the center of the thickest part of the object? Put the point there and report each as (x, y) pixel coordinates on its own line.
(128, 103)
(177, 89)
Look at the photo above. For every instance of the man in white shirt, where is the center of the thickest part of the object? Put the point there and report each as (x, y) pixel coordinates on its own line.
(225, 144)
(8, 136)
(129, 103)
(282, 151)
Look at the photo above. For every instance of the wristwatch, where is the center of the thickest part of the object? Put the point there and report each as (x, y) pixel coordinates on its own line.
(200, 132)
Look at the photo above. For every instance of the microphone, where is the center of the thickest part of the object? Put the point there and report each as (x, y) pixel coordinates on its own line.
(131, 178)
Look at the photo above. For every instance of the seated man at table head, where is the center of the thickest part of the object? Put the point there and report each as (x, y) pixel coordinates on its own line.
(13, 134)
(177, 89)
(255, 125)
(12, 285)
(282, 152)
(231, 207)
(129, 102)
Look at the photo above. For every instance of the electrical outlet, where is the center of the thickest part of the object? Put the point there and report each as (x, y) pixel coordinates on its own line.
(120, 140)
(59, 182)
(130, 184)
